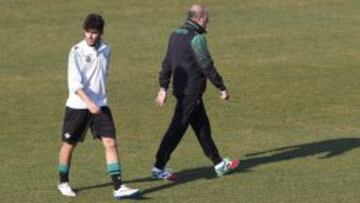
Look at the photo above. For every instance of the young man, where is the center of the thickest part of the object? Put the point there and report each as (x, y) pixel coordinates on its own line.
(87, 106)
(189, 64)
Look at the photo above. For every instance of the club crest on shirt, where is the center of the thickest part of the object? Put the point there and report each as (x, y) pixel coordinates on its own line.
(88, 58)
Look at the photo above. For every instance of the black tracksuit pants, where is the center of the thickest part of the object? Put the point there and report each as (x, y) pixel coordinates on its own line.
(188, 110)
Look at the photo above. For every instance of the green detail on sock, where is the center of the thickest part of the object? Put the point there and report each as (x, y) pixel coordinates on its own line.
(114, 168)
(64, 168)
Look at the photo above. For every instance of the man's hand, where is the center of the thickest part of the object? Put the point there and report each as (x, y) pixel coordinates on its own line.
(224, 95)
(93, 108)
(161, 97)
(89, 103)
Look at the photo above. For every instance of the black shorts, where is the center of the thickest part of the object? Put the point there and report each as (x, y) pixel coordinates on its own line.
(77, 121)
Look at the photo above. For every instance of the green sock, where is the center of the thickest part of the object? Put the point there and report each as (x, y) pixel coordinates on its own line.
(114, 170)
(64, 172)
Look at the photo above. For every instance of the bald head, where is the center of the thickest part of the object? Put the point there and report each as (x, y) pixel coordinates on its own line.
(197, 11)
(199, 14)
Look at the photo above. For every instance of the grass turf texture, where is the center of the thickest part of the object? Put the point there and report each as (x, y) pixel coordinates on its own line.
(292, 68)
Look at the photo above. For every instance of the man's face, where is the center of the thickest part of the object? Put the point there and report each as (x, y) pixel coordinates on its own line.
(203, 20)
(92, 36)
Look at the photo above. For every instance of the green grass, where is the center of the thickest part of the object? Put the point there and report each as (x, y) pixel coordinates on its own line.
(292, 68)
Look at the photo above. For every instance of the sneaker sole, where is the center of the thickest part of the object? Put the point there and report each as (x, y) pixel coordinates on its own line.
(131, 195)
(65, 195)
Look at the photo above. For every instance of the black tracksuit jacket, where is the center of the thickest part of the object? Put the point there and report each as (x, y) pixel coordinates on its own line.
(188, 62)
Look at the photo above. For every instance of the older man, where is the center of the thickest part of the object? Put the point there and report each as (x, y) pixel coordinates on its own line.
(189, 63)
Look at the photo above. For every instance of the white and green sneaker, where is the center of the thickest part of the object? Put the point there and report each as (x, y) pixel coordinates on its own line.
(226, 166)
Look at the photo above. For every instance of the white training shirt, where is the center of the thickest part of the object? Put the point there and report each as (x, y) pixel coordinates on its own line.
(88, 70)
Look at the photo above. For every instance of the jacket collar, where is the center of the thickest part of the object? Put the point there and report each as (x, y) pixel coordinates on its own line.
(89, 49)
(193, 25)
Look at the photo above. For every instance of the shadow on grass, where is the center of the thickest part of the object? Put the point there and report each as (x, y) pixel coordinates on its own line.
(108, 184)
(136, 197)
(324, 149)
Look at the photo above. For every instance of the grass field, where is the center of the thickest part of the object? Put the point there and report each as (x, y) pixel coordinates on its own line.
(292, 67)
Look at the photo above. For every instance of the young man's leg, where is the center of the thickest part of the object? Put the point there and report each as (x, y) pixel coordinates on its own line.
(64, 168)
(112, 161)
(114, 169)
(103, 127)
(75, 125)
(65, 156)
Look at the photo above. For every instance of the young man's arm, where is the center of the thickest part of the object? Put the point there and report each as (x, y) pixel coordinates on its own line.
(164, 78)
(89, 103)
(199, 46)
(75, 82)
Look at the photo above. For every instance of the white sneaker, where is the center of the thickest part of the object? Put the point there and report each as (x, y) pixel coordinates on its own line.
(226, 166)
(66, 190)
(163, 174)
(125, 191)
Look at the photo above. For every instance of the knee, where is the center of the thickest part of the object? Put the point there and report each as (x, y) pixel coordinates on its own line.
(68, 146)
(110, 144)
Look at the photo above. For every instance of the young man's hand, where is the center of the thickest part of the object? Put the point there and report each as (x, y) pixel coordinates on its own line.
(89, 103)
(161, 97)
(93, 108)
(224, 95)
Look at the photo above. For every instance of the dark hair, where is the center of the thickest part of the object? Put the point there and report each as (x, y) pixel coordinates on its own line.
(94, 21)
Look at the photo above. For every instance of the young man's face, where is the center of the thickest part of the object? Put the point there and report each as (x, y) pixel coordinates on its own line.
(92, 36)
